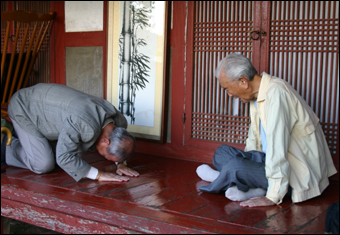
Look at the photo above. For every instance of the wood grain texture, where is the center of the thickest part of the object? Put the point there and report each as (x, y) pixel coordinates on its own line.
(163, 199)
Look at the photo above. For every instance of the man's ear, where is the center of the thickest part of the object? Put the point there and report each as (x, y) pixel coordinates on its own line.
(243, 82)
(105, 141)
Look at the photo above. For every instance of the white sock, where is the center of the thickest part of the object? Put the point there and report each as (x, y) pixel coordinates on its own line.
(206, 173)
(237, 195)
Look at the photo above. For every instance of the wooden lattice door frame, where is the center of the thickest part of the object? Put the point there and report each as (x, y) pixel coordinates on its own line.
(260, 51)
(255, 49)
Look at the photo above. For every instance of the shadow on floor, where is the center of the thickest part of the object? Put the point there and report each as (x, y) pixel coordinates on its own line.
(18, 227)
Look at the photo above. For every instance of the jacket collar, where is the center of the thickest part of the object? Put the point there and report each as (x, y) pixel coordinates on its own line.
(266, 78)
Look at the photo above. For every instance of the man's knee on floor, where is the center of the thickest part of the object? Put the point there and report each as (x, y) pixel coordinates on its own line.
(223, 155)
(44, 167)
(234, 166)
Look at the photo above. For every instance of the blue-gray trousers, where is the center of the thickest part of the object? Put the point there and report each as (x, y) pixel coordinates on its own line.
(243, 169)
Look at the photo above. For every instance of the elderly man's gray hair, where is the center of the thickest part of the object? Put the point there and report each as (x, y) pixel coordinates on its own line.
(235, 66)
(121, 142)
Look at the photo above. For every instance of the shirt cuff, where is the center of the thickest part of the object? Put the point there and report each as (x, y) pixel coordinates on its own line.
(124, 162)
(276, 200)
(92, 174)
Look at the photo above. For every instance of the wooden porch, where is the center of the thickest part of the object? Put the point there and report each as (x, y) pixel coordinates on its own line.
(164, 199)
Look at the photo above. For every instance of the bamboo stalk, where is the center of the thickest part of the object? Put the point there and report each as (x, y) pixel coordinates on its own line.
(133, 65)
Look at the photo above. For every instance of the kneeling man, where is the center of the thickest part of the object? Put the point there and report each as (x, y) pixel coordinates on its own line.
(78, 122)
(286, 151)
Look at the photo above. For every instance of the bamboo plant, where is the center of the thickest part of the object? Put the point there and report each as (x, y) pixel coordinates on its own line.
(133, 64)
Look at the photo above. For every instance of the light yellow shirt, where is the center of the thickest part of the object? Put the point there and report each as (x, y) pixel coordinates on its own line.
(297, 151)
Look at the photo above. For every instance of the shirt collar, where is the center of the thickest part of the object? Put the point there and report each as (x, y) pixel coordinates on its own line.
(107, 121)
(266, 78)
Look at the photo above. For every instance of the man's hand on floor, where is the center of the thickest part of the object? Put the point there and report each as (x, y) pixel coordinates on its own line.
(124, 170)
(107, 176)
(257, 201)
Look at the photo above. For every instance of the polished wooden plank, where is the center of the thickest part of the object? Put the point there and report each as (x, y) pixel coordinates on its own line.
(16, 172)
(164, 198)
(163, 170)
(216, 206)
(57, 221)
(300, 214)
(316, 225)
(113, 212)
(252, 216)
(164, 189)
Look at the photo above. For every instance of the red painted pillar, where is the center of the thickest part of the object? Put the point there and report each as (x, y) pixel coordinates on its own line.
(178, 34)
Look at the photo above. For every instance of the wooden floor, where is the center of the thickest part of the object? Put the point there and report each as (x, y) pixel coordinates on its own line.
(164, 199)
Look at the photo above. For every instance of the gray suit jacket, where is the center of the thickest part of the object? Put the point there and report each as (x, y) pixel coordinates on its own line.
(58, 112)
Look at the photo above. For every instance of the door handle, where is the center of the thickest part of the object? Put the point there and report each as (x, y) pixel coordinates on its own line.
(258, 33)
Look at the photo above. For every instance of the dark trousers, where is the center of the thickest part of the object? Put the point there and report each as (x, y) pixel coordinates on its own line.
(243, 169)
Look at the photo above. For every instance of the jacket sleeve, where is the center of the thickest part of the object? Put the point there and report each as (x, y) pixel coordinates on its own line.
(73, 137)
(278, 129)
